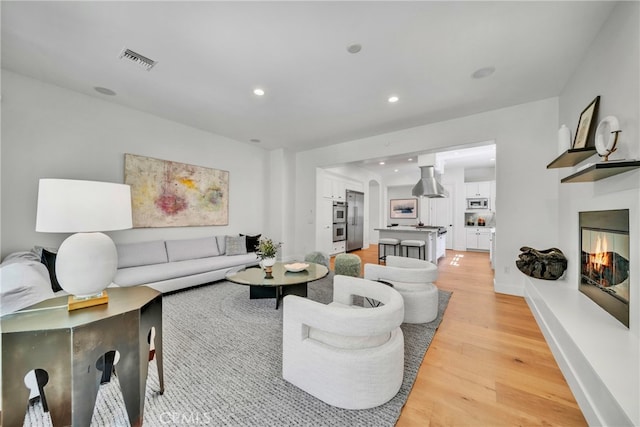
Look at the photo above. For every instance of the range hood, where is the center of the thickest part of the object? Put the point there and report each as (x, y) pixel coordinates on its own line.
(428, 186)
(430, 170)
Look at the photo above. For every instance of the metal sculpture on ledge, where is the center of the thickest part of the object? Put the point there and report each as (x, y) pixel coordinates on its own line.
(549, 264)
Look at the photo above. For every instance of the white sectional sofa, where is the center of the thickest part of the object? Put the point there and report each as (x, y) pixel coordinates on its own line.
(24, 281)
(165, 265)
(169, 265)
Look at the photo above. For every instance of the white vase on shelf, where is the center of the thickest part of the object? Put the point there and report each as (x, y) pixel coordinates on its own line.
(564, 139)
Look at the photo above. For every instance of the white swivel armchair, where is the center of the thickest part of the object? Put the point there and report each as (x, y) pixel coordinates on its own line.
(346, 356)
(413, 279)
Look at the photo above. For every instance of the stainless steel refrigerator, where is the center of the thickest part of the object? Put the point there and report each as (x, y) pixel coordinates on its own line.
(355, 220)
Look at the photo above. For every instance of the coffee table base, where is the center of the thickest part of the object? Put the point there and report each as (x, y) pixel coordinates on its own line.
(277, 292)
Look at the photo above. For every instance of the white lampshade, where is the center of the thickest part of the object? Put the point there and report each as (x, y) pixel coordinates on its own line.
(87, 261)
(71, 206)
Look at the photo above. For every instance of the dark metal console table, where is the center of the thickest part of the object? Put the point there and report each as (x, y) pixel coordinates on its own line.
(67, 344)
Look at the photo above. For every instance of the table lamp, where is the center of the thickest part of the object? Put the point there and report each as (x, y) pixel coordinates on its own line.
(87, 260)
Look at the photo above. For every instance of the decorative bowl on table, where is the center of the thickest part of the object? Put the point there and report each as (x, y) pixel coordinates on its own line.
(296, 267)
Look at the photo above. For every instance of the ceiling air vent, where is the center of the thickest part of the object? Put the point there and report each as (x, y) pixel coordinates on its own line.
(137, 59)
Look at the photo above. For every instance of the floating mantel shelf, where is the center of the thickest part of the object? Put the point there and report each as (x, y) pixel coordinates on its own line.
(572, 157)
(602, 170)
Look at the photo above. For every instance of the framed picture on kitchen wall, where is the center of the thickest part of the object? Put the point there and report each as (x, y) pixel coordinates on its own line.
(403, 208)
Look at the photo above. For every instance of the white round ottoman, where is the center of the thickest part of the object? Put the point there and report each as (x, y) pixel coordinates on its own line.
(420, 301)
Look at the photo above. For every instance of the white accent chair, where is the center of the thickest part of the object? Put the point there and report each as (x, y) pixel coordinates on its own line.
(347, 356)
(413, 279)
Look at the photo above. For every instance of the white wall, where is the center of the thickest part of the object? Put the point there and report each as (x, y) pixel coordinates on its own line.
(479, 174)
(280, 199)
(526, 140)
(600, 360)
(52, 132)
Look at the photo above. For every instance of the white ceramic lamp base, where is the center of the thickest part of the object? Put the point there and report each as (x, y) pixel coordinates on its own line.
(86, 264)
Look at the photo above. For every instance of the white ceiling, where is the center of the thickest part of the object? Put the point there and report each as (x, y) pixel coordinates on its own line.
(481, 156)
(211, 55)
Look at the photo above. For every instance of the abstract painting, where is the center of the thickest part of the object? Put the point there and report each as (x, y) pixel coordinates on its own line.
(171, 194)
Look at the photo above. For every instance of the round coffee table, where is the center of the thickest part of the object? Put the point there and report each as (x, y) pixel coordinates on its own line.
(282, 283)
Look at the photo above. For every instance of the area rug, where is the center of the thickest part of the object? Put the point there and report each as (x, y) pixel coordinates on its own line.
(222, 366)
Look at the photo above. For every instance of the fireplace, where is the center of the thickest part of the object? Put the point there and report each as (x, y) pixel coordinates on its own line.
(604, 270)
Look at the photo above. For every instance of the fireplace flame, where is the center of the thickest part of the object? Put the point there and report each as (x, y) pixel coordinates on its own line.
(600, 258)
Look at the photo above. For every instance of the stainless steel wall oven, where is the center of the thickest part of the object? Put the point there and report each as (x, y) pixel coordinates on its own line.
(339, 231)
(339, 212)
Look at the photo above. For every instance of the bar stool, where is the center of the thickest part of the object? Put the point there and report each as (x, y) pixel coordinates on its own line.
(418, 244)
(383, 243)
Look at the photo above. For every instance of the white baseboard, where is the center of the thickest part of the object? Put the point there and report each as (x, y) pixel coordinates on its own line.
(508, 288)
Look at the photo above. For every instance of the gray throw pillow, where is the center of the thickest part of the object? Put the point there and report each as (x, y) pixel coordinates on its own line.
(236, 245)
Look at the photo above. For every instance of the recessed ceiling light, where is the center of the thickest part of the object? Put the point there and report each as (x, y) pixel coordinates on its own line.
(104, 91)
(393, 99)
(483, 72)
(395, 170)
(255, 140)
(259, 92)
(410, 159)
(381, 163)
(354, 48)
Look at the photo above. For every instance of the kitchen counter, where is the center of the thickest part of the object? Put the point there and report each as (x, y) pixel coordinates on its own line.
(410, 228)
(426, 233)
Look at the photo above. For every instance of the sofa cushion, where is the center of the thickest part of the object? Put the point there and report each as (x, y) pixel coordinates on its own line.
(49, 260)
(159, 272)
(143, 253)
(252, 241)
(222, 244)
(180, 250)
(23, 283)
(236, 245)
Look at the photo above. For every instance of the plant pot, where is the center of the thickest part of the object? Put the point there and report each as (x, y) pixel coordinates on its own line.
(268, 262)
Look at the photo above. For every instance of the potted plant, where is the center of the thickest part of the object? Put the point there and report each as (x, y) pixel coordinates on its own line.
(267, 250)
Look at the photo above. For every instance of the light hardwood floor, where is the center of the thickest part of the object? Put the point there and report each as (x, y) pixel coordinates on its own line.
(488, 364)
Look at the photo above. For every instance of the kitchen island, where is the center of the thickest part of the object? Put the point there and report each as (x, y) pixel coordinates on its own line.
(434, 242)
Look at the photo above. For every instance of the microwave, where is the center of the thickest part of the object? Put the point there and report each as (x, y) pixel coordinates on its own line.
(478, 203)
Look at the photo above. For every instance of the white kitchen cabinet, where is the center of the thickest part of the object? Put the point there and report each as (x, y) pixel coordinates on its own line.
(338, 247)
(354, 185)
(441, 213)
(478, 189)
(335, 188)
(339, 190)
(484, 240)
(479, 238)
